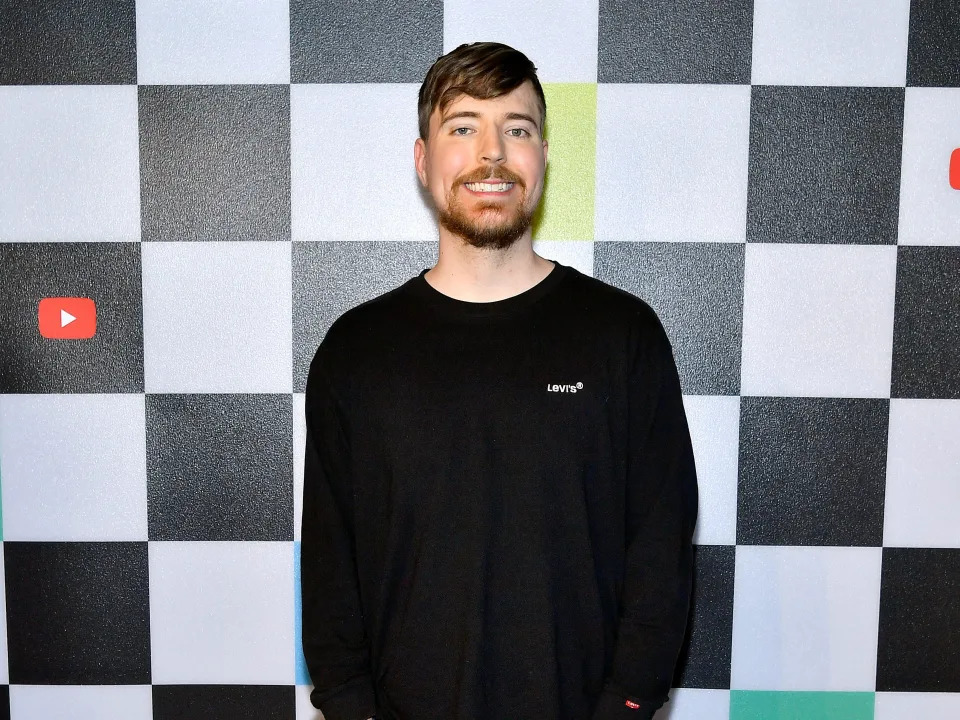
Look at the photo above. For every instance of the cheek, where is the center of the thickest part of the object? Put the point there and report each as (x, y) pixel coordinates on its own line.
(446, 172)
(529, 162)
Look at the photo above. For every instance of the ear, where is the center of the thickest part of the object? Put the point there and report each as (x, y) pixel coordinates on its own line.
(545, 152)
(420, 160)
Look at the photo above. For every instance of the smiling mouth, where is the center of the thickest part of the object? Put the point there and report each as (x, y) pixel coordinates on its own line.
(485, 187)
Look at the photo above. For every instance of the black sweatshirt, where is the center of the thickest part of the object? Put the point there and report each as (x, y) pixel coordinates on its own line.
(498, 508)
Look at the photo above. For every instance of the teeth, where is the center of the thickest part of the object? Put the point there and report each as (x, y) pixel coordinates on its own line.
(489, 187)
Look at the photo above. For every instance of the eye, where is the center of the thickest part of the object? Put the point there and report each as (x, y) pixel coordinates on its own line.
(456, 130)
(520, 129)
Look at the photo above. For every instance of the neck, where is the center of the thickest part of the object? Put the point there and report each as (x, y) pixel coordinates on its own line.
(465, 272)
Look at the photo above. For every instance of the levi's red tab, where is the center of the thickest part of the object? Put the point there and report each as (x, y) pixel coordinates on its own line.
(67, 318)
(955, 169)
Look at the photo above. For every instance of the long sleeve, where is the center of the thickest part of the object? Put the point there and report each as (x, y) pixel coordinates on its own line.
(661, 512)
(335, 644)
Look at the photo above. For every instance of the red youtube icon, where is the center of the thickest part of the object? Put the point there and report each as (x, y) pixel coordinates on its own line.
(67, 318)
(955, 169)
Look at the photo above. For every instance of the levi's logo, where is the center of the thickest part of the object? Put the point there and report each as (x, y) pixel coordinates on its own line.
(67, 318)
(955, 169)
(565, 388)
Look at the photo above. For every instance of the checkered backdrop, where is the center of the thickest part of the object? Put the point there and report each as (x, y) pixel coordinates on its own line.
(225, 178)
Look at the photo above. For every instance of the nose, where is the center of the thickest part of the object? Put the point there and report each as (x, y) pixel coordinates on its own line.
(491, 147)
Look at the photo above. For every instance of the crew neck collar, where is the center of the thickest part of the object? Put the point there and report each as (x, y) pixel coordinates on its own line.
(495, 308)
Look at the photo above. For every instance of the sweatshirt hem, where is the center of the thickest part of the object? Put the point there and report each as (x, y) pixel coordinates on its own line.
(614, 706)
(355, 700)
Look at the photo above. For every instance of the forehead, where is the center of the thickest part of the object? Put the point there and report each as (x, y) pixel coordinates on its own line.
(521, 99)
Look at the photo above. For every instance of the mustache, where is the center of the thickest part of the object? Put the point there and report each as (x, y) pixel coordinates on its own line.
(501, 174)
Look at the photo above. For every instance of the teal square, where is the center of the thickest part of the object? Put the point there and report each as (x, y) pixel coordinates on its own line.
(768, 705)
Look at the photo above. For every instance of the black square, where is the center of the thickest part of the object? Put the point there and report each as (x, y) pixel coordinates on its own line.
(224, 702)
(215, 162)
(812, 471)
(4, 702)
(357, 41)
(107, 273)
(77, 613)
(697, 291)
(329, 278)
(933, 55)
(824, 164)
(705, 656)
(919, 621)
(662, 41)
(68, 42)
(926, 329)
(219, 467)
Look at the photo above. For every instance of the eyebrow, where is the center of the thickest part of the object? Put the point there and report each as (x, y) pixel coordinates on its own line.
(472, 114)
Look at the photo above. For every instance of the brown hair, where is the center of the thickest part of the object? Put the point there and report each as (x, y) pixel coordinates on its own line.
(481, 70)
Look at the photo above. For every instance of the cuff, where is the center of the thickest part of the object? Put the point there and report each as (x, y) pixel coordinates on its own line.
(354, 700)
(614, 706)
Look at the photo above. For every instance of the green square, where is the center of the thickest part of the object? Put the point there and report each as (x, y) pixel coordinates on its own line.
(767, 705)
(566, 207)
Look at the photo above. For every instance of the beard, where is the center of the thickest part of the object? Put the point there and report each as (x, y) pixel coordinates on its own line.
(495, 225)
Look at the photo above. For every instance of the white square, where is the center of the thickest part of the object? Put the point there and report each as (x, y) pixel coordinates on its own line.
(925, 705)
(805, 618)
(929, 207)
(573, 253)
(196, 42)
(222, 612)
(74, 467)
(299, 452)
(4, 667)
(305, 709)
(71, 163)
(81, 702)
(207, 328)
(715, 432)
(352, 170)
(560, 38)
(672, 162)
(695, 704)
(818, 320)
(830, 42)
(923, 475)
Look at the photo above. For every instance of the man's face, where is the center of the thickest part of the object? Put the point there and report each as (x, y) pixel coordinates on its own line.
(472, 149)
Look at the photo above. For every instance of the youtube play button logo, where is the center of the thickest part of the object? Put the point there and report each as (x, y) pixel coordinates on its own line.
(69, 318)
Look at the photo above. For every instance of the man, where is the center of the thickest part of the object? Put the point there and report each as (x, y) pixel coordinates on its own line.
(499, 485)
